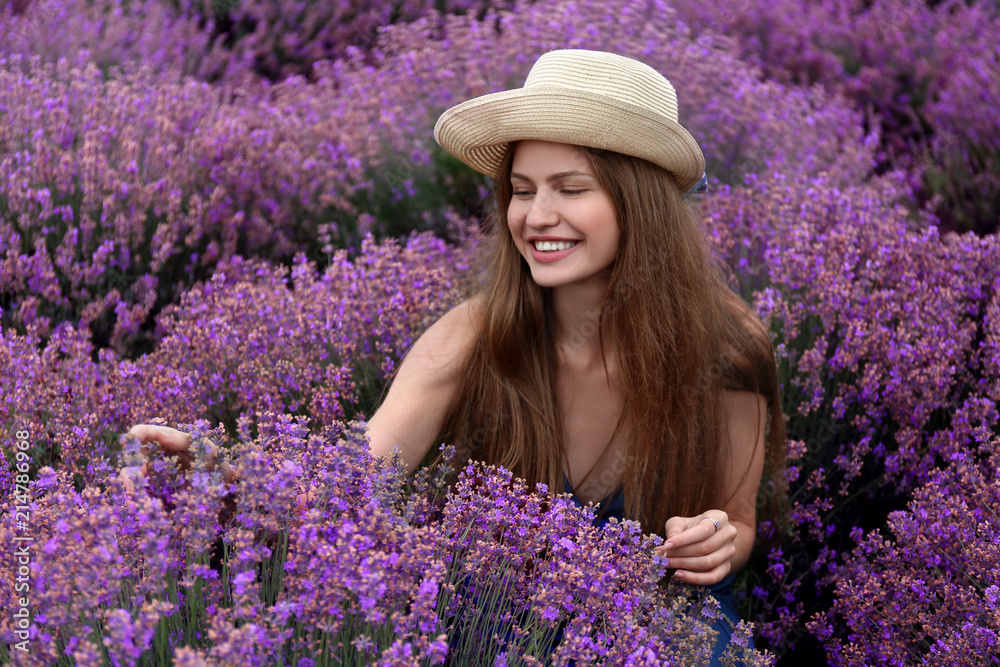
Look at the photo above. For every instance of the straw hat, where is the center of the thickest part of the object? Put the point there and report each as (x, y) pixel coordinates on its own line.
(587, 98)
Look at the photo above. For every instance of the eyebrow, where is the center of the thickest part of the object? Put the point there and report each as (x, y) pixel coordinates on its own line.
(554, 177)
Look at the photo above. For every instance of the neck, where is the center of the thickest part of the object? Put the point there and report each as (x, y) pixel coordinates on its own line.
(577, 310)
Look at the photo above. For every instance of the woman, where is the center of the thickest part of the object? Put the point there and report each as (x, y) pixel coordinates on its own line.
(606, 354)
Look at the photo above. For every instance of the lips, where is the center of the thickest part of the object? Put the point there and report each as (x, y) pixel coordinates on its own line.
(552, 250)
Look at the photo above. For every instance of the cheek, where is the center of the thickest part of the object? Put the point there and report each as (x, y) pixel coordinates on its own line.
(612, 230)
(515, 222)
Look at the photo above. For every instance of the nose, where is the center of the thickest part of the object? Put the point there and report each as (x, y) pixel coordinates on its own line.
(541, 213)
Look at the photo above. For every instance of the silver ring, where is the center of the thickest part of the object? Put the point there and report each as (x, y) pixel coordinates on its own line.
(717, 523)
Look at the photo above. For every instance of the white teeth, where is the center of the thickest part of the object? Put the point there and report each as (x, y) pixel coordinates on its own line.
(553, 246)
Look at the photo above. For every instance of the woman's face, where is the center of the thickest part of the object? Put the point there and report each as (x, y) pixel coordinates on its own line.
(561, 221)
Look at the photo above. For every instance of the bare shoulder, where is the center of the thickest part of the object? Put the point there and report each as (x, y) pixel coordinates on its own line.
(447, 343)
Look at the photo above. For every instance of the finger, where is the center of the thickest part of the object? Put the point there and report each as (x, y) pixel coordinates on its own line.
(211, 456)
(702, 556)
(699, 532)
(725, 540)
(699, 549)
(699, 528)
(170, 439)
(142, 432)
(229, 473)
(705, 578)
(676, 525)
(214, 457)
(208, 450)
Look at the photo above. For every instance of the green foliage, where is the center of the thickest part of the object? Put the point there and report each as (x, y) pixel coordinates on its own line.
(406, 196)
(962, 187)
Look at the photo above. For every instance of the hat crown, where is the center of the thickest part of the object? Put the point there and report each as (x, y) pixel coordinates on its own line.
(607, 74)
(584, 98)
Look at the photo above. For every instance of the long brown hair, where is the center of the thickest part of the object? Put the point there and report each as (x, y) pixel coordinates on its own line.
(680, 336)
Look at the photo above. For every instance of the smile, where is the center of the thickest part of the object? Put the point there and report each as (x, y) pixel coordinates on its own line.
(548, 251)
(553, 246)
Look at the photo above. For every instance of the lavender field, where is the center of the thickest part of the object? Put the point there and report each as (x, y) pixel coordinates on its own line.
(230, 216)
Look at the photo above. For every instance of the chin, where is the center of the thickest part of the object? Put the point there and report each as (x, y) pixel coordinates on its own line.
(544, 279)
(550, 282)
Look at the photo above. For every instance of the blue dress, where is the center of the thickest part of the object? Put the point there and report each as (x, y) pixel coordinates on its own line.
(614, 506)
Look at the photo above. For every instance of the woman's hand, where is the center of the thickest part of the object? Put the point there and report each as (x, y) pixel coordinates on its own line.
(706, 548)
(172, 442)
(700, 548)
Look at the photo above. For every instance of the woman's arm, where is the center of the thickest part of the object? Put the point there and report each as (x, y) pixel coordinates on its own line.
(410, 417)
(425, 386)
(702, 553)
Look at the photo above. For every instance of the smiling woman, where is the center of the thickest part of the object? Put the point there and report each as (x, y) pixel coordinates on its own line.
(606, 355)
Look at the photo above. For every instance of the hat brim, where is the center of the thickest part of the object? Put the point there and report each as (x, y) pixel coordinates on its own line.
(477, 131)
